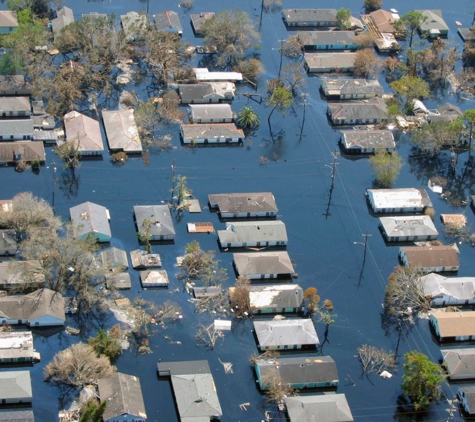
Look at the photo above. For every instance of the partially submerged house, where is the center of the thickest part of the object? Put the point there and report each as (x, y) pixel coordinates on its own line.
(297, 372)
(454, 220)
(202, 74)
(211, 113)
(207, 92)
(113, 259)
(328, 40)
(459, 363)
(430, 258)
(14, 85)
(118, 281)
(466, 396)
(8, 242)
(238, 205)
(16, 347)
(253, 233)
(351, 89)
(217, 133)
(194, 389)
(154, 278)
(16, 129)
(17, 415)
(123, 395)
(434, 25)
(273, 299)
(84, 132)
(159, 218)
(445, 291)
(121, 131)
(91, 219)
(168, 21)
(25, 151)
(367, 141)
(141, 260)
(384, 21)
(133, 25)
(321, 408)
(15, 387)
(285, 334)
(372, 111)
(453, 326)
(12, 275)
(8, 21)
(15, 106)
(41, 308)
(197, 20)
(446, 112)
(312, 18)
(64, 17)
(398, 200)
(263, 265)
(329, 62)
(410, 228)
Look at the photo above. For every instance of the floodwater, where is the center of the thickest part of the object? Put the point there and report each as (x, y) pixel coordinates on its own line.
(323, 236)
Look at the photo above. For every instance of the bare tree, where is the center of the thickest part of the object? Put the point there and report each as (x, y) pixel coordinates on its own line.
(367, 64)
(376, 360)
(239, 297)
(77, 366)
(277, 389)
(457, 232)
(208, 336)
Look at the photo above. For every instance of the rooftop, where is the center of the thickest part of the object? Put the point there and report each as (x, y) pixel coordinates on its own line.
(399, 198)
(431, 256)
(286, 332)
(243, 202)
(368, 139)
(455, 324)
(311, 38)
(263, 231)
(294, 16)
(211, 131)
(347, 86)
(121, 130)
(321, 408)
(410, 225)
(329, 60)
(263, 263)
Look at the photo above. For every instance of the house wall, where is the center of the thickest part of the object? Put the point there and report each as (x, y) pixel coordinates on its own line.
(13, 321)
(464, 401)
(316, 24)
(21, 113)
(16, 136)
(275, 310)
(356, 121)
(281, 347)
(16, 92)
(46, 321)
(253, 244)
(162, 237)
(211, 140)
(90, 153)
(125, 418)
(248, 214)
(7, 29)
(214, 120)
(16, 400)
(447, 300)
(18, 359)
(329, 69)
(211, 99)
(356, 96)
(260, 276)
(338, 47)
(409, 238)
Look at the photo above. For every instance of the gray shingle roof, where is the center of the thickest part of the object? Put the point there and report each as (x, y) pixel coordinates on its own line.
(460, 363)
(248, 202)
(15, 104)
(121, 130)
(469, 392)
(18, 415)
(162, 223)
(168, 21)
(14, 83)
(197, 19)
(411, 225)
(16, 126)
(133, 23)
(64, 17)
(330, 60)
(250, 231)
(27, 151)
(90, 218)
(434, 21)
(310, 38)
(15, 385)
(374, 108)
(367, 139)
(210, 131)
(321, 408)
(275, 296)
(263, 263)
(114, 259)
(313, 15)
(347, 86)
(211, 111)
(286, 332)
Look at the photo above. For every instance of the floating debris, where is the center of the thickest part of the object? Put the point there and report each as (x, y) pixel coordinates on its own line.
(228, 369)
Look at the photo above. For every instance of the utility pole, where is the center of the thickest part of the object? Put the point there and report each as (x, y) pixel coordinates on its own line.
(333, 167)
(54, 179)
(366, 235)
(304, 95)
(262, 10)
(173, 180)
(281, 54)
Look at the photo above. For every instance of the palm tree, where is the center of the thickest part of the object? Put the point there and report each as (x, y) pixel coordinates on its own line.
(247, 118)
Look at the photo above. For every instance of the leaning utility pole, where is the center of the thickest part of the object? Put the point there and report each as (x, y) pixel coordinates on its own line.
(304, 95)
(281, 54)
(173, 181)
(333, 167)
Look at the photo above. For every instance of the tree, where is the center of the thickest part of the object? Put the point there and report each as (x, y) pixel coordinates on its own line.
(371, 5)
(422, 379)
(105, 344)
(294, 78)
(77, 366)
(93, 411)
(279, 98)
(232, 32)
(312, 298)
(386, 167)
(375, 360)
(364, 40)
(343, 18)
(169, 110)
(469, 119)
(208, 336)
(277, 389)
(434, 136)
(145, 235)
(412, 20)
(366, 64)
(239, 297)
(404, 298)
(292, 48)
(251, 69)
(410, 88)
(69, 153)
(247, 118)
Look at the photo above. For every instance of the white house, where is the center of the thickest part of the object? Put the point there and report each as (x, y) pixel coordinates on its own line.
(400, 200)
(15, 387)
(445, 291)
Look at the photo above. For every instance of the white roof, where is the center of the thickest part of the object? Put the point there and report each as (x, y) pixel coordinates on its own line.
(397, 198)
(204, 75)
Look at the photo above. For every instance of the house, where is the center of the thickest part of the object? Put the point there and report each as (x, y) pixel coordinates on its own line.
(328, 40)
(466, 396)
(313, 18)
(367, 141)
(297, 372)
(154, 278)
(123, 395)
(410, 228)
(208, 92)
(351, 89)
(8, 242)
(466, 34)
(161, 222)
(12, 275)
(121, 131)
(207, 291)
(321, 408)
(133, 25)
(16, 129)
(17, 415)
(453, 326)
(244, 234)
(197, 20)
(15, 387)
(64, 17)
(91, 219)
(400, 200)
(238, 205)
(285, 334)
(434, 25)
(84, 132)
(14, 85)
(218, 133)
(41, 308)
(8, 22)
(445, 291)
(384, 21)
(113, 259)
(263, 265)
(274, 299)
(329, 62)
(142, 260)
(202, 74)
(372, 111)
(194, 389)
(94, 15)
(445, 113)
(15, 107)
(26, 151)
(16, 347)
(211, 113)
(430, 258)
(120, 281)
(459, 363)
(168, 21)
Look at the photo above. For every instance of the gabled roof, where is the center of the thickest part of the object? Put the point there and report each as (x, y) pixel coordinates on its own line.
(374, 108)
(461, 288)
(248, 231)
(469, 392)
(399, 197)
(168, 21)
(114, 259)
(263, 263)
(8, 19)
(204, 90)
(121, 130)
(321, 408)
(29, 151)
(15, 384)
(83, 129)
(211, 131)
(460, 363)
(11, 277)
(431, 256)
(123, 394)
(132, 23)
(64, 17)
(90, 218)
(17, 415)
(330, 60)
(384, 20)
(159, 215)
(363, 139)
(310, 38)
(434, 21)
(309, 15)
(14, 83)
(347, 86)
(211, 111)
(284, 332)
(15, 104)
(275, 296)
(16, 126)
(455, 324)
(243, 202)
(410, 225)
(197, 19)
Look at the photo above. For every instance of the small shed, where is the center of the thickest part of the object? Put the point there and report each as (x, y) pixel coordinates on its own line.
(142, 260)
(154, 278)
(200, 228)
